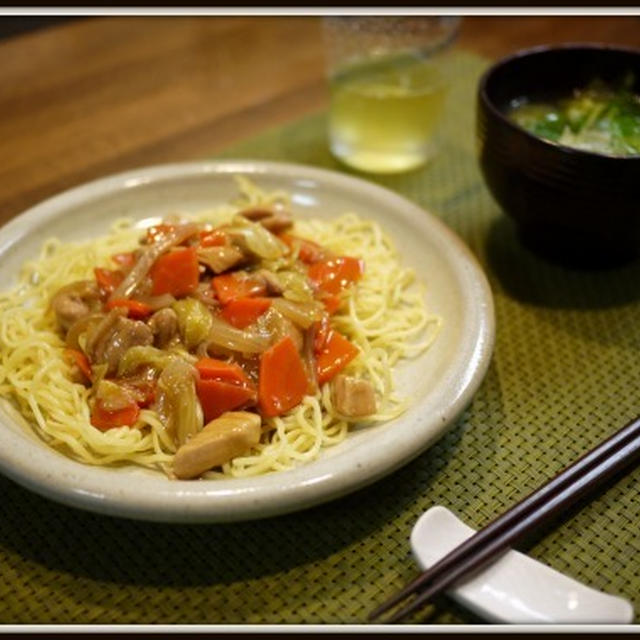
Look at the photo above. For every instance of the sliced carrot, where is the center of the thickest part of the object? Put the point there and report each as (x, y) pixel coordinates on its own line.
(283, 382)
(126, 260)
(218, 396)
(308, 251)
(215, 238)
(214, 369)
(73, 356)
(245, 311)
(331, 302)
(232, 286)
(332, 275)
(175, 272)
(108, 279)
(158, 231)
(136, 309)
(104, 419)
(336, 354)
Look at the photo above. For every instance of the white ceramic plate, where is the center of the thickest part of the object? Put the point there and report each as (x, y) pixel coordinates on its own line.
(441, 382)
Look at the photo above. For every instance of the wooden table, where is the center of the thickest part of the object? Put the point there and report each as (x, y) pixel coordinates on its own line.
(95, 96)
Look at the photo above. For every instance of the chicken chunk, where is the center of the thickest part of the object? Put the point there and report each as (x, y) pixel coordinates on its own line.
(219, 259)
(224, 438)
(75, 301)
(274, 219)
(353, 397)
(113, 336)
(164, 326)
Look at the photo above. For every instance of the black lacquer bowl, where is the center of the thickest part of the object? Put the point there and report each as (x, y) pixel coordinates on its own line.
(575, 206)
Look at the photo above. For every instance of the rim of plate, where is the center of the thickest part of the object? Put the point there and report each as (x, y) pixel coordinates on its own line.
(154, 497)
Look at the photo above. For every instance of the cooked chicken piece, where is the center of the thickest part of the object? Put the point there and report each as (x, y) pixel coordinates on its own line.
(353, 397)
(219, 259)
(224, 438)
(113, 336)
(75, 301)
(164, 326)
(274, 219)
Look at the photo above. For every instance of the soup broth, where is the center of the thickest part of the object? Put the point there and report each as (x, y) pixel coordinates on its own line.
(596, 118)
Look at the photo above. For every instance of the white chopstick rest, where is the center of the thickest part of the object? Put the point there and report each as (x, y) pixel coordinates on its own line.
(514, 589)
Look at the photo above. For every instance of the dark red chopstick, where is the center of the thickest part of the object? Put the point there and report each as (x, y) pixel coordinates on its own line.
(538, 508)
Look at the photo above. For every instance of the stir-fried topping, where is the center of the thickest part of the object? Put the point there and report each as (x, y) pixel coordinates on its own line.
(216, 330)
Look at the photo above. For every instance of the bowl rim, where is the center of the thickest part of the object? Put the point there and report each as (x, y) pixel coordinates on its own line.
(542, 49)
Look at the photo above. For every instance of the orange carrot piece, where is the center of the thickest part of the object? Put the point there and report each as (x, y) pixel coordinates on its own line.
(73, 356)
(245, 311)
(231, 286)
(215, 238)
(218, 396)
(103, 419)
(332, 275)
(214, 369)
(136, 309)
(283, 382)
(175, 272)
(158, 231)
(331, 302)
(108, 279)
(308, 251)
(335, 355)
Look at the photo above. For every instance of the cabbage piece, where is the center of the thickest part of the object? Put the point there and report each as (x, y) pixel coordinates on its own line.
(143, 355)
(296, 285)
(178, 403)
(194, 321)
(304, 314)
(253, 238)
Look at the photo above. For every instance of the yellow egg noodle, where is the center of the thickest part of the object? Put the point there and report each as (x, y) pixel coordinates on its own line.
(386, 317)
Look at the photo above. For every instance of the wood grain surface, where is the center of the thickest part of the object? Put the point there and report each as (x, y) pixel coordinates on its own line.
(86, 98)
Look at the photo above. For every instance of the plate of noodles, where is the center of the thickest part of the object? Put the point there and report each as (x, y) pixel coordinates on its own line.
(232, 340)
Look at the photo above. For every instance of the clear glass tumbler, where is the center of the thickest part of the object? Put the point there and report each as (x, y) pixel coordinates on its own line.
(388, 88)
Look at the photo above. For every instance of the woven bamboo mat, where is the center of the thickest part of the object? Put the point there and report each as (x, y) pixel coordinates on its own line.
(565, 373)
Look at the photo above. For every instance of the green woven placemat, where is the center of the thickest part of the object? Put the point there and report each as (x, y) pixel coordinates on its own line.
(564, 374)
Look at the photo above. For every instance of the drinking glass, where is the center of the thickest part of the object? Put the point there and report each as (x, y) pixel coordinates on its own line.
(388, 87)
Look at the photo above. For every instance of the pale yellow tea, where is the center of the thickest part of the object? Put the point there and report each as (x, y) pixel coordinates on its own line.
(383, 113)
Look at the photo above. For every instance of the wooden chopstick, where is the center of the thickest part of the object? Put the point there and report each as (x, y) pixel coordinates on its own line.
(538, 508)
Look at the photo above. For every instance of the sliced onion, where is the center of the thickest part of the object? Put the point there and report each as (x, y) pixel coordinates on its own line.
(157, 302)
(79, 327)
(303, 314)
(308, 358)
(149, 255)
(274, 325)
(224, 335)
(101, 330)
(112, 396)
(178, 402)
